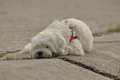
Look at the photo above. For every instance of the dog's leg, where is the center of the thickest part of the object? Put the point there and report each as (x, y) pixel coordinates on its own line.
(84, 34)
(26, 49)
(62, 47)
(75, 48)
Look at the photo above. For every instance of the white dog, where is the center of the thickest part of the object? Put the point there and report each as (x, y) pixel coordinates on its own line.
(69, 36)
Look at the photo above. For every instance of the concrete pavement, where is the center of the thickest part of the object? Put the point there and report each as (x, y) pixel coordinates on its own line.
(20, 20)
(45, 69)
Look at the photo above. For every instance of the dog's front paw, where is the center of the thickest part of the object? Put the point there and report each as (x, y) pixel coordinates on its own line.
(82, 53)
(62, 52)
(79, 52)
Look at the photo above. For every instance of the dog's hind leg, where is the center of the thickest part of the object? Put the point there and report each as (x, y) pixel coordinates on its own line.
(75, 48)
(84, 34)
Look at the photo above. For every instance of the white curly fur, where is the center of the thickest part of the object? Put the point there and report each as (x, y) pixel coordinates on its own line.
(54, 40)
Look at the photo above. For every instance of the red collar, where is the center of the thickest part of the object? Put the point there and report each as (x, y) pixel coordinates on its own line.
(72, 37)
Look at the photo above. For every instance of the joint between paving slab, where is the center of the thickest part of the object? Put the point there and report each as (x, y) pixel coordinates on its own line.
(108, 42)
(7, 52)
(93, 69)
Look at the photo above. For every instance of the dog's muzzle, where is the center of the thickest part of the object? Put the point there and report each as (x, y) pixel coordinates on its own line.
(40, 53)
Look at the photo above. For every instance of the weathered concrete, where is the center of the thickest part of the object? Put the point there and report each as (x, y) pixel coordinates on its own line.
(45, 69)
(112, 37)
(20, 20)
(104, 56)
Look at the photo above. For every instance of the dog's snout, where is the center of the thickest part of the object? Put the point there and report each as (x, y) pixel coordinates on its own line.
(40, 53)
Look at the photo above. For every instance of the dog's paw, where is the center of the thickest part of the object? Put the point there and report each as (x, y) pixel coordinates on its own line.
(82, 53)
(62, 52)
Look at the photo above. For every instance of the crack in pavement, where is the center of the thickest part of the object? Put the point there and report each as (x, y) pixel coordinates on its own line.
(91, 68)
(7, 52)
(108, 42)
(4, 54)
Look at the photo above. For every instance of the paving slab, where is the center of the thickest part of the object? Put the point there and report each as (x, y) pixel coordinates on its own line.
(45, 69)
(105, 56)
(111, 37)
(20, 20)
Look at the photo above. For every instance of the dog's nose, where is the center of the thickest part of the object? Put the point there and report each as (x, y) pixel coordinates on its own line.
(40, 53)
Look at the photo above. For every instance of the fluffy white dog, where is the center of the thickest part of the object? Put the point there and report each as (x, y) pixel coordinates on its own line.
(70, 36)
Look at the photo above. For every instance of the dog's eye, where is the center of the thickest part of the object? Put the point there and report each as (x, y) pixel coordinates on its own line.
(47, 46)
(66, 22)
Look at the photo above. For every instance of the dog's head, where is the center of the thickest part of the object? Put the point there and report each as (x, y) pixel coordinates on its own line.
(43, 46)
(41, 51)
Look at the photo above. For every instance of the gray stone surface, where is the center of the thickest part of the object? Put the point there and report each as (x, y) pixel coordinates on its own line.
(20, 20)
(112, 37)
(45, 69)
(104, 57)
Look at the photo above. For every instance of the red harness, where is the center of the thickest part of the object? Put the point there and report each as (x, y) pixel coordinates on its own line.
(72, 37)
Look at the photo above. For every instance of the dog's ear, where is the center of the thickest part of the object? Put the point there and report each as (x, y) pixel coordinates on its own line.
(48, 39)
